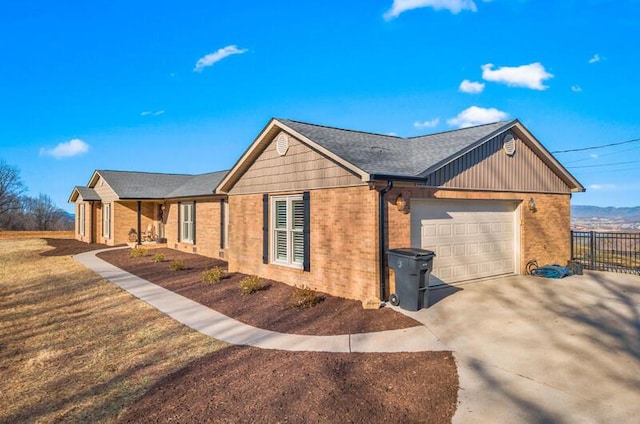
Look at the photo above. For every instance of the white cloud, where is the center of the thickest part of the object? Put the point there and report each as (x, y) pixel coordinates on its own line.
(453, 6)
(596, 58)
(427, 124)
(477, 116)
(71, 148)
(152, 113)
(529, 76)
(211, 58)
(576, 88)
(603, 186)
(471, 87)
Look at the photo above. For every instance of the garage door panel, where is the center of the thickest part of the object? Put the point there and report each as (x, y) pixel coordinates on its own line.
(472, 239)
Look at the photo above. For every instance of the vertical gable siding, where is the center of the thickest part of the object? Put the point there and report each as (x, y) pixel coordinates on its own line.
(301, 168)
(105, 192)
(488, 167)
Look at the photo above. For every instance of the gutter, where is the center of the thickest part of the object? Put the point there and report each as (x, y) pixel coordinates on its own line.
(382, 237)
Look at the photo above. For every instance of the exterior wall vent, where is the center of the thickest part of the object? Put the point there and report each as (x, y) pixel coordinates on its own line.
(509, 144)
(282, 144)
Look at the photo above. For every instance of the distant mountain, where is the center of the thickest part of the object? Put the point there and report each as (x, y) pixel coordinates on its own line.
(609, 212)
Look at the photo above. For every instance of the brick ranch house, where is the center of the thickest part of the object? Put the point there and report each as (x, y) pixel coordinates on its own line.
(117, 207)
(319, 206)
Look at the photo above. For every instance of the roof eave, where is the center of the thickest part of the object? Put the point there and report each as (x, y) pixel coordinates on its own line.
(259, 143)
(424, 174)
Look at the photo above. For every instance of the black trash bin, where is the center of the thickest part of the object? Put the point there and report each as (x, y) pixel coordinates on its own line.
(412, 267)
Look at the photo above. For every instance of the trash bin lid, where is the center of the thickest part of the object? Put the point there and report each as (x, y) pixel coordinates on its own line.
(412, 252)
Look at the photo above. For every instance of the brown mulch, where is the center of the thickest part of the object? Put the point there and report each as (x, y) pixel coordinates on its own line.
(64, 247)
(248, 385)
(241, 384)
(269, 309)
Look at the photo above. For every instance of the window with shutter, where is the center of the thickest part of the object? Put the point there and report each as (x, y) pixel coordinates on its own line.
(288, 223)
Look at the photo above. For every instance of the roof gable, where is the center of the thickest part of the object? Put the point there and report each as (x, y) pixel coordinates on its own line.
(149, 185)
(377, 156)
(84, 194)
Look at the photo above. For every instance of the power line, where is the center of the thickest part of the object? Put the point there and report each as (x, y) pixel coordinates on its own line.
(603, 164)
(597, 147)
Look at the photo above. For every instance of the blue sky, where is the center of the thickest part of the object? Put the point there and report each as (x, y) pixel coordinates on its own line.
(186, 86)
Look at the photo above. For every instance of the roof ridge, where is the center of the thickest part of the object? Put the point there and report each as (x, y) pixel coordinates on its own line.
(462, 129)
(146, 172)
(341, 129)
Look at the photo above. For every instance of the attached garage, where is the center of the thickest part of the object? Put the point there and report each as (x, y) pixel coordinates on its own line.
(473, 239)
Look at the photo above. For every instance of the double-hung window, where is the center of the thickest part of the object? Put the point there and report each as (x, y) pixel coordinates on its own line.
(81, 219)
(187, 220)
(106, 220)
(287, 230)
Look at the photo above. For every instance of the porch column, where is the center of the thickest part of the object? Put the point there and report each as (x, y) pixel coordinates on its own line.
(139, 222)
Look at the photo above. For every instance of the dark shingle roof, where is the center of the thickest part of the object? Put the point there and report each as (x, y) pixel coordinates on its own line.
(392, 155)
(149, 185)
(199, 185)
(87, 193)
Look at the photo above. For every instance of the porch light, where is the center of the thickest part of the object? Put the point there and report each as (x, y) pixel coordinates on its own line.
(401, 204)
(532, 205)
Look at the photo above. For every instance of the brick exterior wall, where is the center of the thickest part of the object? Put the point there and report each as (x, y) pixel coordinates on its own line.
(88, 222)
(544, 234)
(344, 242)
(207, 231)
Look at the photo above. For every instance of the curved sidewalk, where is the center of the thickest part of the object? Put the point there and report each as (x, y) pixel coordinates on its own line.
(219, 326)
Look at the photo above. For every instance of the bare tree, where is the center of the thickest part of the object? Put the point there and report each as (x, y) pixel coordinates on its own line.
(44, 212)
(11, 188)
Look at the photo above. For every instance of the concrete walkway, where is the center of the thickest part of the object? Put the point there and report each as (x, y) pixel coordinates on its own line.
(219, 326)
(528, 350)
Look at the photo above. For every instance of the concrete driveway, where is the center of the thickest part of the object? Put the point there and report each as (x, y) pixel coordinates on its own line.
(536, 350)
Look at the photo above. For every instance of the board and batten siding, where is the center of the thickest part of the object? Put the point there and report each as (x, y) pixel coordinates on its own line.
(488, 167)
(301, 168)
(105, 192)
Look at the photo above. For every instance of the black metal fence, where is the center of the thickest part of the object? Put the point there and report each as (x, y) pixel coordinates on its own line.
(619, 252)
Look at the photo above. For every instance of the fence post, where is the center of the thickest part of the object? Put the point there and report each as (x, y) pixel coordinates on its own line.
(592, 248)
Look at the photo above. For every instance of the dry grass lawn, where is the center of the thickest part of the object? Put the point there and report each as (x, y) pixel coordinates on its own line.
(74, 348)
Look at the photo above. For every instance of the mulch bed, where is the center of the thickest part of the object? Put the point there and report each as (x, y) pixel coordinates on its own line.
(241, 384)
(249, 385)
(64, 247)
(269, 309)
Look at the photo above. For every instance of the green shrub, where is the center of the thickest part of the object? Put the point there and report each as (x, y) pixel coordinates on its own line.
(305, 297)
(177, 265)
(158, 258)
(250, 284)
(138, 252)
(213, 275)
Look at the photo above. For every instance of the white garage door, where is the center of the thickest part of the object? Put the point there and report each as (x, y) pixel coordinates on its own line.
(472, 238)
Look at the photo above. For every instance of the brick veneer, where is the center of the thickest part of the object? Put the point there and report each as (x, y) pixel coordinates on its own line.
(207, 229)
(544, 234)
(344, 242)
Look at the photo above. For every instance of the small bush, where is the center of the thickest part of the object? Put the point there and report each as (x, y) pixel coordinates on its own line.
(213, 275)
(177, 265)
(251, 284)
(138, 252)
(158, 258)
(305, 297)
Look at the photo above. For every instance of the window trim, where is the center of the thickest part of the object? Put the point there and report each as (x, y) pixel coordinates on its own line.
(81, 219)
(289, 231)
(190, 224)
(106, 220)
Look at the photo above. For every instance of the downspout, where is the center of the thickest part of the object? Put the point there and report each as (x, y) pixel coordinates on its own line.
(382, 237)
